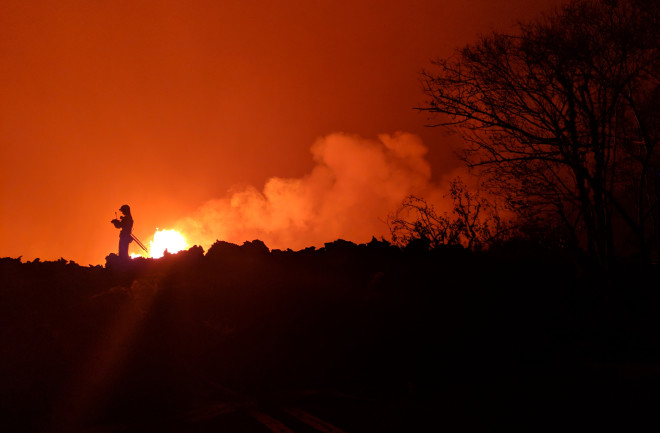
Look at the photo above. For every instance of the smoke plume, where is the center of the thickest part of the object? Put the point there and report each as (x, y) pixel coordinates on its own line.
(354, 185)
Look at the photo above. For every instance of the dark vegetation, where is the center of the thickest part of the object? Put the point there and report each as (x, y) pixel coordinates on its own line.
(370, 337)
(474, 222)
(560, 118)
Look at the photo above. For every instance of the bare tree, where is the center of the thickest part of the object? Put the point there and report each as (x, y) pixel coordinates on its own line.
(562, 118)
(416, 220)
(474, 221)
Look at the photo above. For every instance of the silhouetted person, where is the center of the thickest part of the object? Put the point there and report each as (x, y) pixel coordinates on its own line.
(125, 223)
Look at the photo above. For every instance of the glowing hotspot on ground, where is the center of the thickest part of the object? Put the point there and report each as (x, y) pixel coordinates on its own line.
(170, 240)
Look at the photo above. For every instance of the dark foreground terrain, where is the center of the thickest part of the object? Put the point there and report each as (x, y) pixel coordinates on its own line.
(347, 338)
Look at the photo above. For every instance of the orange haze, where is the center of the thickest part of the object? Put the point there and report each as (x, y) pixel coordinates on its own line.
(354, 184)
(201, 114)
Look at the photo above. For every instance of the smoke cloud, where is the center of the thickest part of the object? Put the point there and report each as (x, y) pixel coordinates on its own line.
(354, 185)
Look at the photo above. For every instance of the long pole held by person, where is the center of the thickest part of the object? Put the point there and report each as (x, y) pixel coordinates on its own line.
(140, 244)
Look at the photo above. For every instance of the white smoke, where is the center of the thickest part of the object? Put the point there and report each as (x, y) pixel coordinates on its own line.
(354, 185)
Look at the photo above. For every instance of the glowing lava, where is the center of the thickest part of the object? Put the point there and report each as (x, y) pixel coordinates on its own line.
(170, 240)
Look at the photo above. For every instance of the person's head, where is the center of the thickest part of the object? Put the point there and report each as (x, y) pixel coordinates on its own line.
(125, 209)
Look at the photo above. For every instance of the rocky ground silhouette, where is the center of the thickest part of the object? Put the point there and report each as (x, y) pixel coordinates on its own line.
(353, 338)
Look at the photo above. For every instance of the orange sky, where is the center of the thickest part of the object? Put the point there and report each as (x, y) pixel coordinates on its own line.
(180, 108)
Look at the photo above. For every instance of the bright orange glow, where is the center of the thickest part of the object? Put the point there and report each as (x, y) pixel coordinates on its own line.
(112, 115)
(171, 241)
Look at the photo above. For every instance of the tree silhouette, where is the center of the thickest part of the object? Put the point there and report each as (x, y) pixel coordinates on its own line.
(562, 119)
(474, 221)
